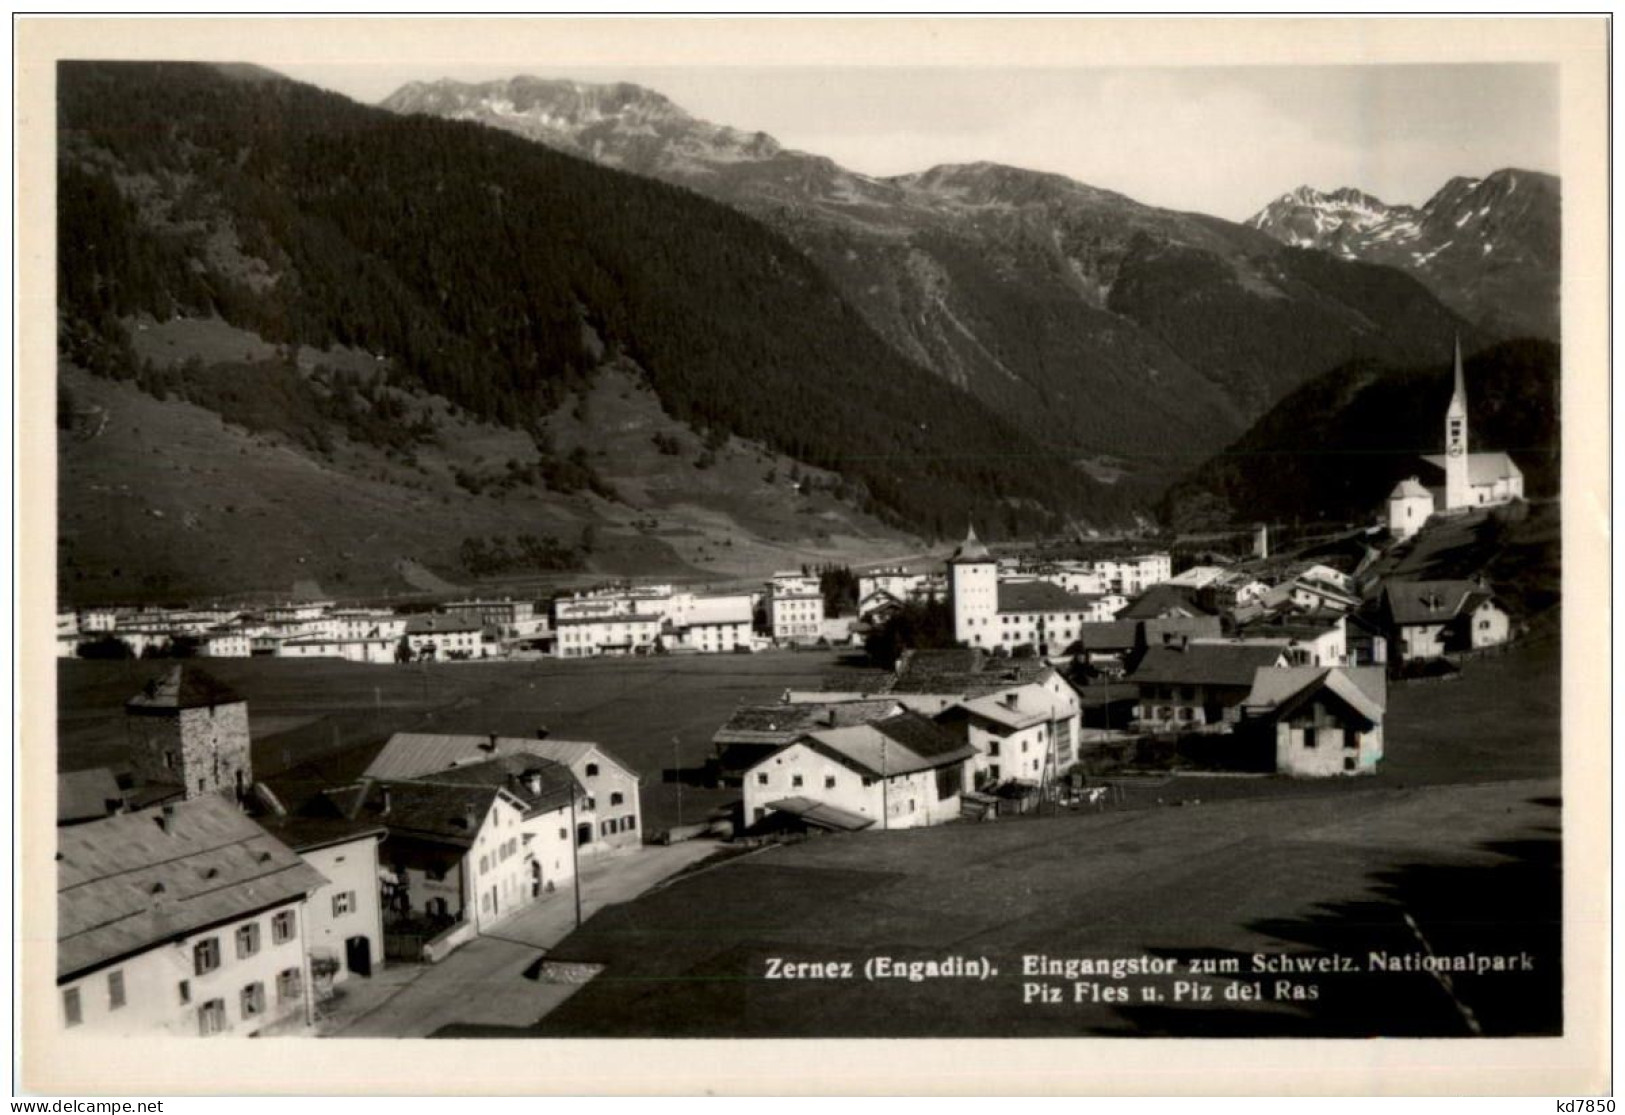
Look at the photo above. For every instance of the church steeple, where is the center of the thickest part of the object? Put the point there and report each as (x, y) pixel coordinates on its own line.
(1455, 441)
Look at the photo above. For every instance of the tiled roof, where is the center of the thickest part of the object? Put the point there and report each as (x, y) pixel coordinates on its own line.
(1119, 634)
(1412, 602)
(132, 881)
(182, 688)
(511, 772)
(414, 754)
(1018, 707)
(821, 815)
(85, 794)
(1204, 664)
(903, 744)
(1157, 599)
(781, 723)
(1041, 596)
(1483, 468)
(441, 812)
(1278, 691)
(961, 672)
(304, 834)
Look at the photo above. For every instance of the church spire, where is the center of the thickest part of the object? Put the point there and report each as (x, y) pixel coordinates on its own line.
(1458, 401)
(1456, 483)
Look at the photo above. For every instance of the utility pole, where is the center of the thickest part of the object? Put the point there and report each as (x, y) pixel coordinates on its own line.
(677, 776)
(885, 796)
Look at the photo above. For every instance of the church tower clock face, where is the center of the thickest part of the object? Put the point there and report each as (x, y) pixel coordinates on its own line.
(1455, 450)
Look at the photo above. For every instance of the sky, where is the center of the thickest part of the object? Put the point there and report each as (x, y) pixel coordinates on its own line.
(1217, 140)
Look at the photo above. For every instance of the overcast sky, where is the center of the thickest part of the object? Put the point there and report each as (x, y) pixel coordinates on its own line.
(1223, 141)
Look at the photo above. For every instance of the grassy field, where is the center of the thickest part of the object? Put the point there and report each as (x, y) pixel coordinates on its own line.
(318, 723)
(1474, 867)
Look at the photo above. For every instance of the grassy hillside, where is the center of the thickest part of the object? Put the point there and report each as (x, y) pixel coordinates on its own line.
(1335, 448)
(498, 274)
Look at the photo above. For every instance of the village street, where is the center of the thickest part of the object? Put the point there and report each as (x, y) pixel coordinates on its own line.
(486, 982)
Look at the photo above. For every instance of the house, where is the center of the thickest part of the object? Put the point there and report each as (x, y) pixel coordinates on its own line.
(452, 856)
(1367, 643)
(184, 920)
(713, 624)
(344, 923)
(1200, 684)
(225, 642)
(87, 795)
(795, 608)
(365, 623)
(1162, 602)
(609, 815)
(903, 771)
(1318, 721)
(1198, 576)
(617, 632)
(189, 731)
(1026, 733)
(1428, 619)
(506, 616)
(1314, 639)
(442, 637)
(753, 732)
(348, 648)
(1133, 575)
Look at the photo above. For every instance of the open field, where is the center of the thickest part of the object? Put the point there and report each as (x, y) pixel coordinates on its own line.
(1477, 868)
(317, 723)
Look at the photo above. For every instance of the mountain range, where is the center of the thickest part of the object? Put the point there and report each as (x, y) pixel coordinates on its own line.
(1490, 248)
(1134, 339)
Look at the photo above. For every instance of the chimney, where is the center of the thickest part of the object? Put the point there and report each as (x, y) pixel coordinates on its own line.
(383, 803)
(490, 743)
(533, 782)
(542, 733)
(166, 819)
(829, 717)
(468, 818)
(1011, 699)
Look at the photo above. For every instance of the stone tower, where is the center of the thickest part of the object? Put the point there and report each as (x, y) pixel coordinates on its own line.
(190, 730)
(973, 590)
(1457, 490)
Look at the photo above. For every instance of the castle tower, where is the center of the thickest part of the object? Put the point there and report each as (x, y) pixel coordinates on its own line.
(973, 592)
(1457, 490)
(190, 730)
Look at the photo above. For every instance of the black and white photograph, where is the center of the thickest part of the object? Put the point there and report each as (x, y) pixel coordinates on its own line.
(732, 540)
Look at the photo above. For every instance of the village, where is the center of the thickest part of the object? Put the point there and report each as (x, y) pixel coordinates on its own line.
(195, 898)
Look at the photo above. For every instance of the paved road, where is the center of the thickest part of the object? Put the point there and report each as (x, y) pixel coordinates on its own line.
(485, 981)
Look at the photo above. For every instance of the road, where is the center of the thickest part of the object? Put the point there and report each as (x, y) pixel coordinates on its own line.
(486, 982)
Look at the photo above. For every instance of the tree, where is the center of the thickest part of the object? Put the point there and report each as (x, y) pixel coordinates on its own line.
(403, 650)
(917, 625)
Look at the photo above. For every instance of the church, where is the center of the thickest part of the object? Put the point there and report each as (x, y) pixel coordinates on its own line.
(1470, 479)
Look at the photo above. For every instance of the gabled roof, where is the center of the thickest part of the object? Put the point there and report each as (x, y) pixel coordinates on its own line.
(902, 744)
(1205, 664)
(306, 834)
(782, 722)
(1018, 707)
(719, 609)
(960, 672)
(182, 688)
(1160, 599)
(83, 795)
(439, 812)
(1280, 691)
(1412, 602)
(821, 815)
(1041, 596)
(1410, 488)
(1483, 468)
(512, 772)
(1117, 634)
(132, 881)
(414, 754)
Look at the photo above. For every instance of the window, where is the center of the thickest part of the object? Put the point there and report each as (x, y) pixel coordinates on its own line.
(184, 989)
(485, 864)
(248, 939)
(993, 749)
(1348, 762)
(1309, 739)
(253, 1000)
(283, 927)
(617, 798)
(564, 834)
(629, 822)
(795, 781)
(206, 956)
(592, 803)
(1024, 747)
(211, 1017)
(70, 1007)
(829, 782)
(761, 780)
(343, 903)
(592, 770)
(115, 989)
(607, 828)
(287, 985)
